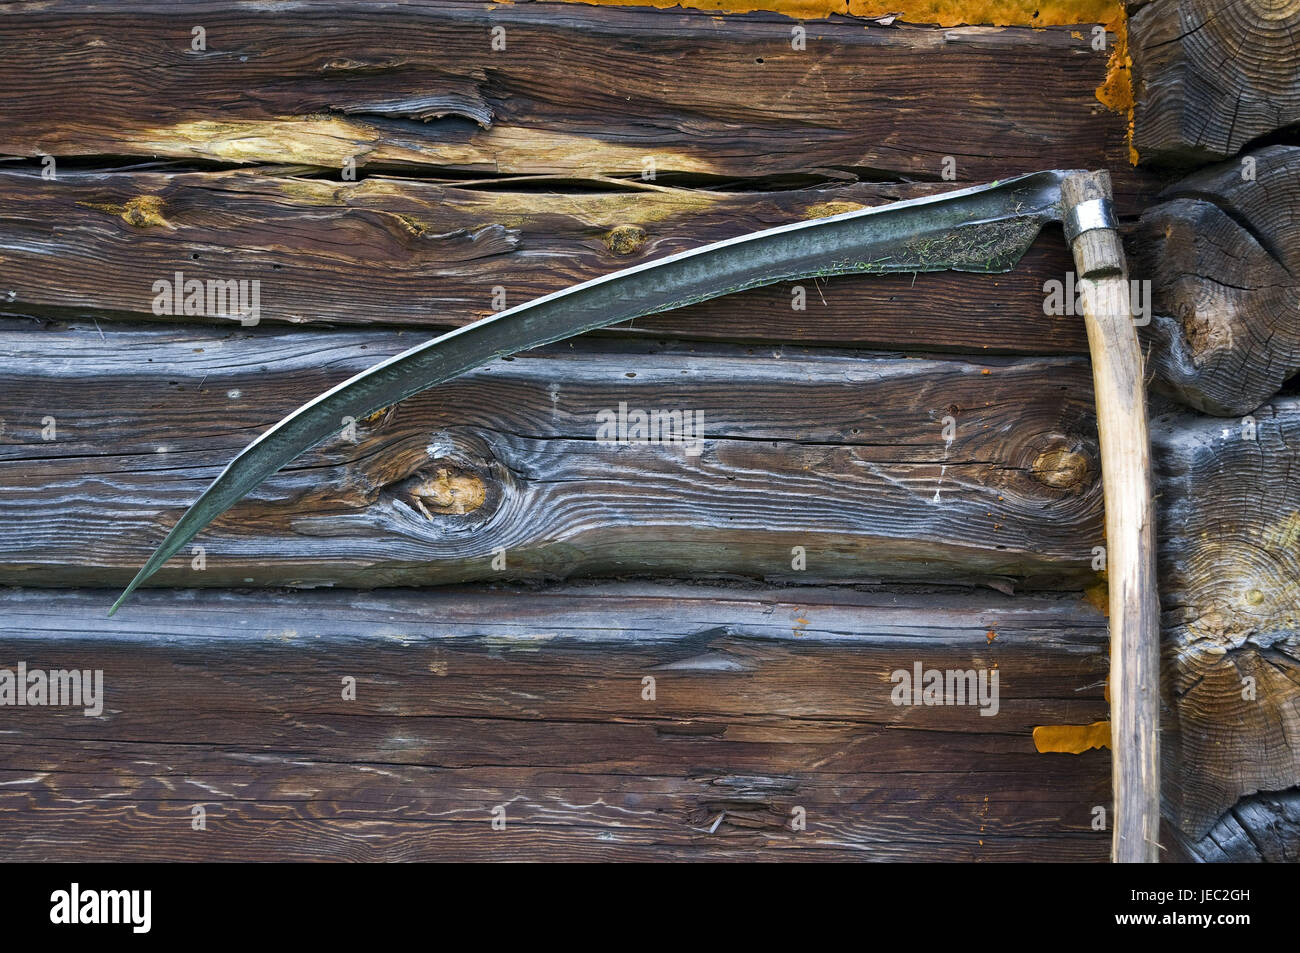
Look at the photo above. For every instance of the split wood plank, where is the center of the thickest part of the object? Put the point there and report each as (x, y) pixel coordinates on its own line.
(403, 252)
(683, 95)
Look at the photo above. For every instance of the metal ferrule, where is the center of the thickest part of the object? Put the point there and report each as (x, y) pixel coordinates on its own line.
(1087, 216)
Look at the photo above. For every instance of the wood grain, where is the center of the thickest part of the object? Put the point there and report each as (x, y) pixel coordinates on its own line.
(578, 90)
(403, 252)
(1230, 522)
(1120, 385)
(1222, 253)
(766, 700)
(1262, 829)
(841, 453)
(1209, 76)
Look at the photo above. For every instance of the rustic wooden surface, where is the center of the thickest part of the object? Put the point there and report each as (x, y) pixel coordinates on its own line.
(1230, 518)
(428, 255)
(841, 453)
(1211, 76)
(578, 90)
(1222, 252)
(1264, 828)
(765, 700)
(523, 169)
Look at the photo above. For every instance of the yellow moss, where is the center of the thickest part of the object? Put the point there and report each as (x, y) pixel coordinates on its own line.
(412, 225)
(824, 209)
(1285, 534)
(941, 12)
(604, 210)
(141, 211)
(625, 239)
(1071, 739)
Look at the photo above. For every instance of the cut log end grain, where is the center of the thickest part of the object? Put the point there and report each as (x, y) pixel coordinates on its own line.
(1212, 75)
(1222, 254)
(1263, 828)
(1230, 558)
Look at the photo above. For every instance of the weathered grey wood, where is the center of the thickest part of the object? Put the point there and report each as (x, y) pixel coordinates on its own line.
(766, 700)
(578, 90)
(1222, 253)
(1211, 75)
(842, 453)
(1229, 525)
(1264, 828)
(404, 252)
(1120, 385)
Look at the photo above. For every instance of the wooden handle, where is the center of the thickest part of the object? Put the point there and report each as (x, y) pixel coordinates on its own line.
(1117, 371)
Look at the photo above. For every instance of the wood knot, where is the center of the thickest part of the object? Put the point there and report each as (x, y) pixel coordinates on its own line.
(448, 492)
(625, 239)
(1060, 468)
(141, 211)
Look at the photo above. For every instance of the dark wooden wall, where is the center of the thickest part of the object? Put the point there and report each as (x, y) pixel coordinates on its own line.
(478, 685)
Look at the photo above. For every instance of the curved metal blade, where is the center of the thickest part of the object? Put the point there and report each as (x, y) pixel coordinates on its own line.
(986, 228)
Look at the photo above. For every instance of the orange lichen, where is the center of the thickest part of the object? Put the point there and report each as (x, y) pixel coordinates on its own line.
(940, 12)
(1072, 739)
(1097, 595)
(1116, 93)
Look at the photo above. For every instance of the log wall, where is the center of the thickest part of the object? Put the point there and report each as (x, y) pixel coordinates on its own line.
(893, 470)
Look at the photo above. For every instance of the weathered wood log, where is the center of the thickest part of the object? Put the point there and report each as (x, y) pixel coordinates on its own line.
(1264, 828)
(404, 252)
(1229, 525)
(875, 466)
(1222, 253)
(765, 702)
(1209, 76)
(527, 89)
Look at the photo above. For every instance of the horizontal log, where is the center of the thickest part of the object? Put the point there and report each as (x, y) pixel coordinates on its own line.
(765, 701)
(479, 90)
(875, 466)
(410, 253)
(1229, 564)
